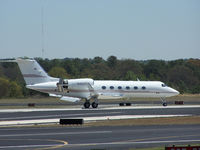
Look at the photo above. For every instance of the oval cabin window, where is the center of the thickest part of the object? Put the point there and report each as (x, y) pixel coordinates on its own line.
(119, 87)
(111, 87)
(143, 87)
(103, 87)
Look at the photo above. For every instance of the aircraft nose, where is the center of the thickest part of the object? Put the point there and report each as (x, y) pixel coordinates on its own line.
(175, 92)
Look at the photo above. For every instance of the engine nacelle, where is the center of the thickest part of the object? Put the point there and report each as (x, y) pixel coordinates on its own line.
(80, 88)
(80, 82)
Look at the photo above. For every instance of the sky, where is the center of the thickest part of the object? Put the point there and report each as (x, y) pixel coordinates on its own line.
(127, 29)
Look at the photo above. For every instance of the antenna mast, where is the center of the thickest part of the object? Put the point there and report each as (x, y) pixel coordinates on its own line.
(42, 28)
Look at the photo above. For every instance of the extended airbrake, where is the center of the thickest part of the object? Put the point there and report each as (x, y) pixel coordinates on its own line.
(85, 88)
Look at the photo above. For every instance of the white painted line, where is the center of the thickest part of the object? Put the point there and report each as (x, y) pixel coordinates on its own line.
(37, 109)
(149, 142)
(152, 107)
(58, 116)
(87, 119)
(26, 122)
(139, 142)
(129, 117)
(111, 143)
(29, 146)
(100, 108)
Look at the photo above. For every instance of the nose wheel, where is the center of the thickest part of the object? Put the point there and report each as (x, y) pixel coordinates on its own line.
(164, 103)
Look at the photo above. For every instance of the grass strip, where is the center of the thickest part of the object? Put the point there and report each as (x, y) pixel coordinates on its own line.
(148, 121)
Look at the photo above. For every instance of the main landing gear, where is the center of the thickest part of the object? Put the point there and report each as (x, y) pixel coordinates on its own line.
(164, 103)
(94, 104)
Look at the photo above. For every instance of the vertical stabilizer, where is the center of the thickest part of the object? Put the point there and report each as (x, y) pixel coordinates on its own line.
(32, 71)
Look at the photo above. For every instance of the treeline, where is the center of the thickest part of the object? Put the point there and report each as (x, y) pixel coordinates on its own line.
(182, 74)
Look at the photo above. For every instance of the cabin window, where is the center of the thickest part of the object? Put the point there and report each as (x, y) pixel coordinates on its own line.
(143, 87)
(119, 87)
(127, 87)
(135, 87)
(103, 87)
(111, 87)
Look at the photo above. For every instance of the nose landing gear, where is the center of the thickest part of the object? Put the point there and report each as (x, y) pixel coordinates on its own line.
(164, 103)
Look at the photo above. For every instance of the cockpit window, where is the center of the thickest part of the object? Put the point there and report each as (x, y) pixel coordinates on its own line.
(163, 85)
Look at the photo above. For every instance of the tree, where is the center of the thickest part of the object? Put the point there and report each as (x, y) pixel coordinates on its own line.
(126, 65)
(4, 84)
(155, 70)
(15, 90)
(130, 76)
(183, 78)
(112, 61)
(97, 60)
(58, 72)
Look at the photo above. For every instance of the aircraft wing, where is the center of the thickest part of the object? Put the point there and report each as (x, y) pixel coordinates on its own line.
(66, 98)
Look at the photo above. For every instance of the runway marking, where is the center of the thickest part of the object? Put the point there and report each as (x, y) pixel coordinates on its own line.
(86, 119)
(47, 146)
(29, 117)
(66, 144)
(26, 146)
(104, 108)
(141, 141)
(55, 146)
(55, 133)
(165, 137)
(152, 107)
(125, 143)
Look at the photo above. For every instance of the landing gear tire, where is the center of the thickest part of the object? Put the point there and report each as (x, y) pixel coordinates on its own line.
(87, 104)
(164, 104)
(94, 105)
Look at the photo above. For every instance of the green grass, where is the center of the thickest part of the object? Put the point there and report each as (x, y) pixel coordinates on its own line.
(147, 121)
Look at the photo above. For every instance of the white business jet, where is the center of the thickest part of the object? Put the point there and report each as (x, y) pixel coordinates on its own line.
(85, 88)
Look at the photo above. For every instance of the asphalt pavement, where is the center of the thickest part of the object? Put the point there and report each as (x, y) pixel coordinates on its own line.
(102, 137)
(86, 138)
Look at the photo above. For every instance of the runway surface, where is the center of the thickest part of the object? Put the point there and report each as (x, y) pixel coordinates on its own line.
(82, 137)
(28, 114)
(78, 137)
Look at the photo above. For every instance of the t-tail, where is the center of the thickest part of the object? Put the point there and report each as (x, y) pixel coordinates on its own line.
(32, 72)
